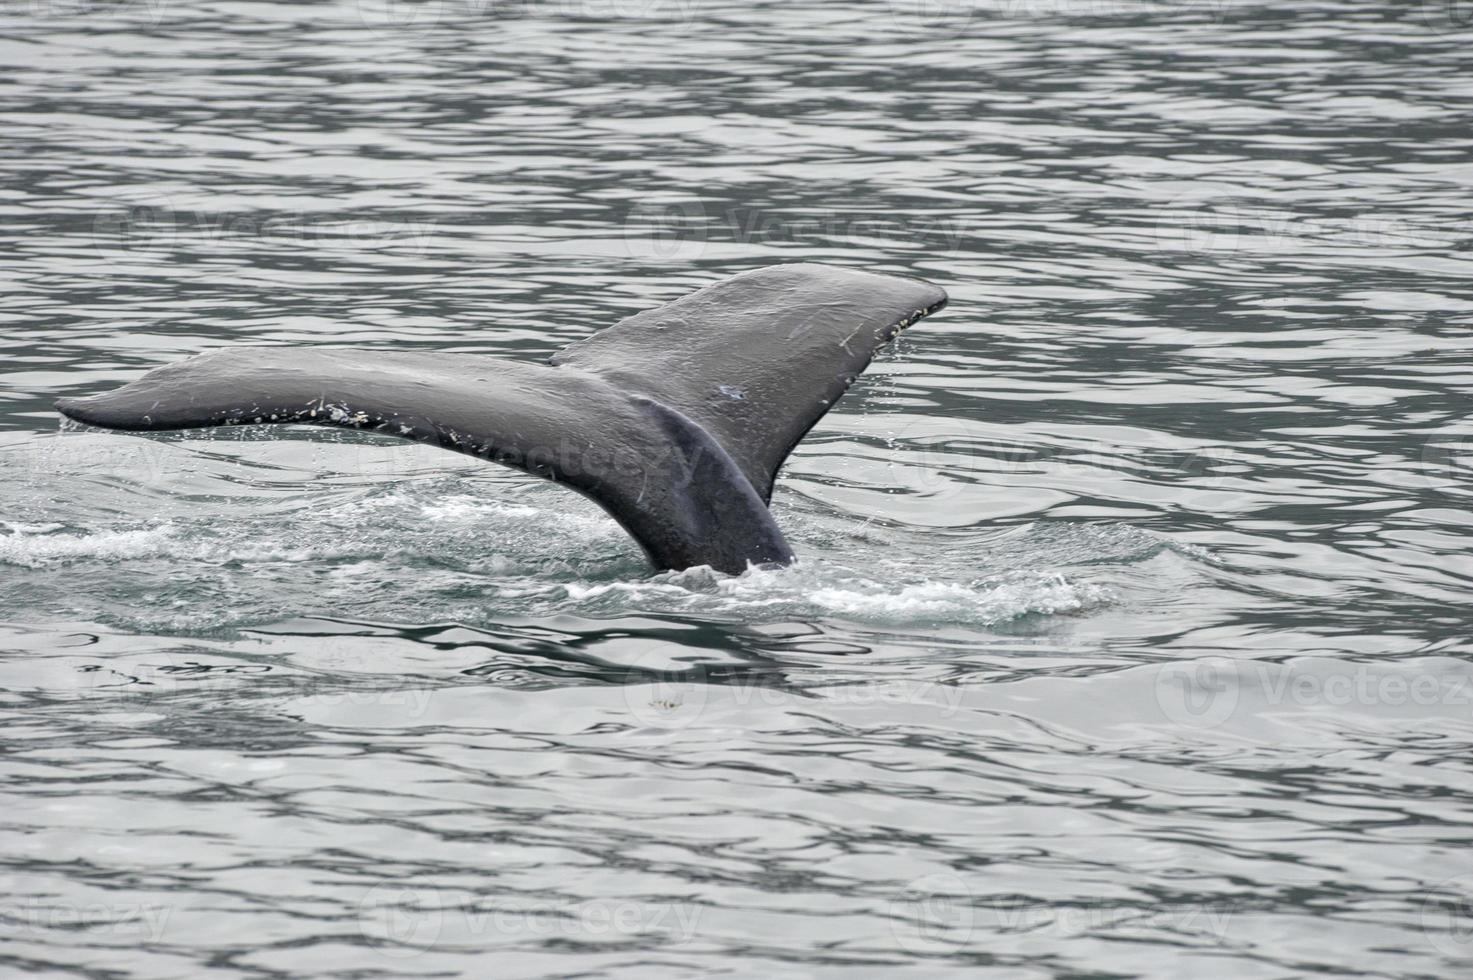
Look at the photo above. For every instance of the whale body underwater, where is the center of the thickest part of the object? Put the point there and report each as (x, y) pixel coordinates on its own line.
(674, 420)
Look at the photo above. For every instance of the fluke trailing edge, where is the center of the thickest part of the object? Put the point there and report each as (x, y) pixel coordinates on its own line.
(674, 420)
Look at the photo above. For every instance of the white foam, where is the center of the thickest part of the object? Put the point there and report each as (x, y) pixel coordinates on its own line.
(993, 601)
(825, 589)
(38, 546)
(466, 509)
(547, 554)
(34, 528)
(35, 550)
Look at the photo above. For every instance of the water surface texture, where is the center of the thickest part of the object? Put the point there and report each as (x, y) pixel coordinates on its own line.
(1130, 635)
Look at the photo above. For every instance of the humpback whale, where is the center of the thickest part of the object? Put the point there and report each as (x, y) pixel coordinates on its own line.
(674, 420)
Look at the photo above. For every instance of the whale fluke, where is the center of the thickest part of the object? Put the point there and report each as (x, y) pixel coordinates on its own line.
(674, 420)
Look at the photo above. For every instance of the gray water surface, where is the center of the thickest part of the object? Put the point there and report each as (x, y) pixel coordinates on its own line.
(1130, 635)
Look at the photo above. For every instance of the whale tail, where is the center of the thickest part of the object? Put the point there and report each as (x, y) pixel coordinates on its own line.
(675, 420)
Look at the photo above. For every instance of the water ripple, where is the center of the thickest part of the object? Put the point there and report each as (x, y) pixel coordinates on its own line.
(1130, 631)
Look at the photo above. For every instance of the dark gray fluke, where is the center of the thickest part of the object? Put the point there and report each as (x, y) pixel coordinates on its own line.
(674, 420)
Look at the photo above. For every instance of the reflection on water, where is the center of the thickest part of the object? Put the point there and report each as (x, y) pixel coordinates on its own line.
(1130, 631)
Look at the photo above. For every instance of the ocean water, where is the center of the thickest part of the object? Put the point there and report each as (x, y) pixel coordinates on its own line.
(1130, 635)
